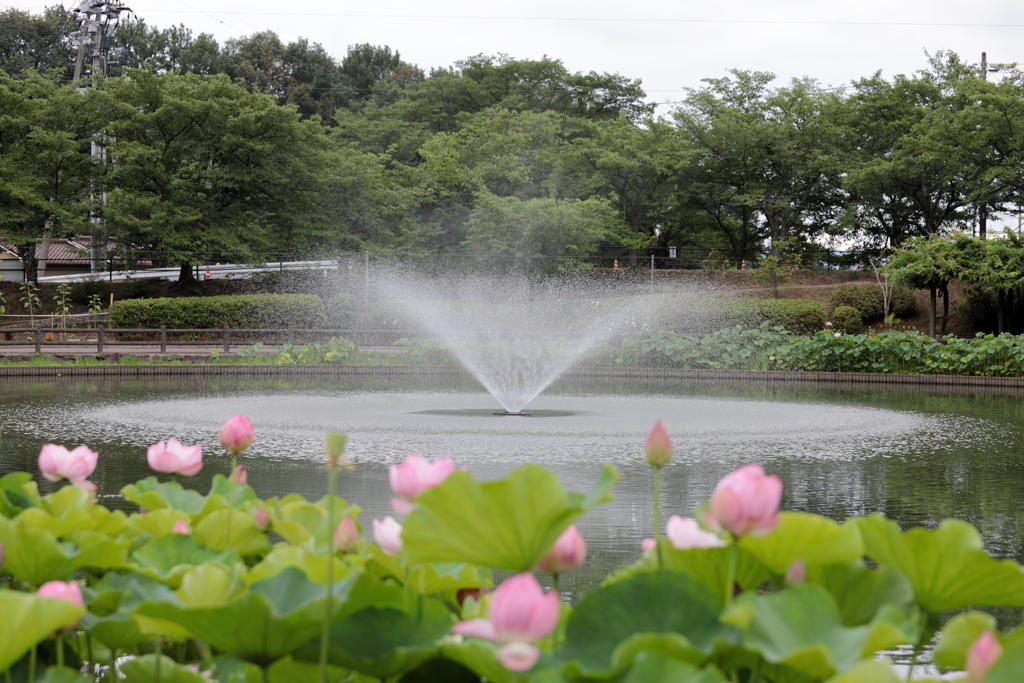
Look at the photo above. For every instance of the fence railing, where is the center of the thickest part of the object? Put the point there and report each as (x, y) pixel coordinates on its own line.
(102, 337)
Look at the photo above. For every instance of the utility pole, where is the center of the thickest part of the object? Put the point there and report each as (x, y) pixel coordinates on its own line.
(99, 19)
(983, 209)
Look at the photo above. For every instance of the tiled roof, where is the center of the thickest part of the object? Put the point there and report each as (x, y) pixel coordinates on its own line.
(70, 250)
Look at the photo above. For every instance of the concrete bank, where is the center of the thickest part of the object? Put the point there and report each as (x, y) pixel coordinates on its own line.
(448, 372)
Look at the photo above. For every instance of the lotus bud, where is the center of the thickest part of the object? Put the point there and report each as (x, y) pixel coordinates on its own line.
(828, 324)
(982, 654)
(67, 592)
(797, 573)
(658, 446)
(837, 335)
(346, 536)
(567, 554)
(142, 510)
(388, 535)
(182, 527)
(648, 544)
(745, 502)
(335, 446)
(237, 434)
(262, 519)
(239, 477)
(413, 477)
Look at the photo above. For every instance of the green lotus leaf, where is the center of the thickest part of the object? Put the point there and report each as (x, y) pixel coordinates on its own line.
(28, 620)
(239, 495)
(119, 630)
(111, 602)
(440, 669)
(151, 494)
(868, 671)
(652, 667)
(302, 523)
(108, 522)
(208, 585)
(17, 492)
(314, 566)
(279, 614)
(507, 524)
(708, 565)
(800, 628)
(36, 556)
(230, 527)
(157, 522)
(157, 669)
(480, 657)
(947, 566)
(61, 513)
(1007, 668)
(386, 641)
(803, 536)
(860, 591)
(61, 674)
(958, 634)
(167, 558)
(431, 578)
(644, 612)
(288, 670)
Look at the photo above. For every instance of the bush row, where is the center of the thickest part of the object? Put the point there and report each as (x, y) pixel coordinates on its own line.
(869, 300)
(770, 348)
(241, 311)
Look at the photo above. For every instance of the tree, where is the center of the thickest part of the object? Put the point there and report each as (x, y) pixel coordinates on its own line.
(38, 42)
(929, 263)
(202, 168)
(46, 169)
(170, 50)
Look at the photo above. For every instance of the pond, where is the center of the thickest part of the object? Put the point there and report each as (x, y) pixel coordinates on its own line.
(918, 456)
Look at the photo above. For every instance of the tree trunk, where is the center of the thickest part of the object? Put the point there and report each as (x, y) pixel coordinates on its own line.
(1001, 303)
(186, 276)
(931, 313)
(945, 308)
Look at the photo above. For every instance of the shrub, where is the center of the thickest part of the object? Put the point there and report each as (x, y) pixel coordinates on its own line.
(869, 301)
(82, 292)
(243, 311)
(342, 312)
(796, 316)
(135, 288)
(847, 319)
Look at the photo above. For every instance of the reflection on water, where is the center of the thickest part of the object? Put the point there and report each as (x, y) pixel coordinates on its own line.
(917, 456)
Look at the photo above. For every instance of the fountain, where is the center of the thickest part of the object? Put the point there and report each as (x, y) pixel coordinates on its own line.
(516, 335)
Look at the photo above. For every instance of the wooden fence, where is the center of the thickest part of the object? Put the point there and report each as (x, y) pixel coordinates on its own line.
(103, 337)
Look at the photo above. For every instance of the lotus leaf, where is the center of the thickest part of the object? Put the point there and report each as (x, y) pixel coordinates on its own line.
(1007, 668)
(36, 556)
(314, 566)
(664, 611)
(506, 524)
(441, 670)
(28, 620)
(61, 674)
(480, 657)
(803, 536)
(280, 614)
(800, 628)
(61, 513)
(149, 493)
(288, 670)
(861, 591)
(652, 667)
(303, 523)
(167, 558)
(434, 577)
(158, 669)
(868, 671)
(958, 634)
(947, 566)
(111, 603)
(17, 492)
(157, 522)
(234, 528)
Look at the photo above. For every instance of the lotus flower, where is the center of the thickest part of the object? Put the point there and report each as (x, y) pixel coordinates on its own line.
(175, 458)
(567, 554)
(658, 446)
(648, 544)
(239, 476)
(58, 590)
(237, 434)
(745, 502)
(797, 573)
(413, 477)
(347, 535)
(182, 527)
(57, 462)
(388, 535)
(982, 654)
(261, 518)
(520, 614)
(685, 533)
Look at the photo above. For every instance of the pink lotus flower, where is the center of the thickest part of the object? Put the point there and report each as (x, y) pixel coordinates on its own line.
(58, 590)
(347, 535)
(175, 458)
(837, 335)
(685, 533)
(797, 573)
(239, 476)
(745, 502)
(828, 324)
(413, 477)
(520, 614)
(648, 544)
(182, 527)
(567, 554)
(658, 446)
(388, 535)
(237, 434)
(982, 654)
(262, 519)
(57, 462)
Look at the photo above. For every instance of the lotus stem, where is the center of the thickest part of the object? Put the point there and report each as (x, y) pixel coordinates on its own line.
(32, 665)
(332, 473)
(7, 675)
(60, 649)
(231, 503)
(159, 656)
(657, 503)
(88, 648)
(112, 670)
(730, 577)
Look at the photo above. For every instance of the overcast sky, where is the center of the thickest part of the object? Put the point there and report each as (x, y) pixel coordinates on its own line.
(668, 45)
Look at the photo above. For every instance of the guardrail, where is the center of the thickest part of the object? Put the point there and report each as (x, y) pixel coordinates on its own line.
(102, 337)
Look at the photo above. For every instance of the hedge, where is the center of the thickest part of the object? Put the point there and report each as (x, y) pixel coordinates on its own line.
(241, 311)
(342, 312)
(869, 301)
(847, 319)
(797, 316)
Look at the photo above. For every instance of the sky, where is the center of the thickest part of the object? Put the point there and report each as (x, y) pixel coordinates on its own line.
(670, 46)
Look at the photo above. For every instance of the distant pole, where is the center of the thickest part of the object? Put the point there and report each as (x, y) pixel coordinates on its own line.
(983, 209)
(652, 271)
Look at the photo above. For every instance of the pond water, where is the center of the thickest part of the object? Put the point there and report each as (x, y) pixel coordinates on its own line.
(918, 456)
